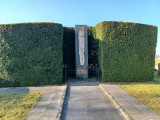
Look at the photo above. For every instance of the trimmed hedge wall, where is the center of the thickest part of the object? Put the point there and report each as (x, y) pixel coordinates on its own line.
(31, 54)
(69, 47)
(34, 53)
(126, 51)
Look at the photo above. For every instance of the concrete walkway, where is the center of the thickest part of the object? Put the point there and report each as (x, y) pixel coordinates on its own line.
(50, 105)
(86, 101)
(129, 106)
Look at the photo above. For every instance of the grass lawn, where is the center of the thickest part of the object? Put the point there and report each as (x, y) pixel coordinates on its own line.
(17, 106)
(146, 92)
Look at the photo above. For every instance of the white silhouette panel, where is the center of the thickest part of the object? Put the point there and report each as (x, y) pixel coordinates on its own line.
(81, 46)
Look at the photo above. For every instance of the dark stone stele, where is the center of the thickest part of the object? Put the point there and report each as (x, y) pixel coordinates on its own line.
(81, 51)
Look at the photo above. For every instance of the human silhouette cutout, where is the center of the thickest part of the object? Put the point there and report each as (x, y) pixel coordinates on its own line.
(81, 46)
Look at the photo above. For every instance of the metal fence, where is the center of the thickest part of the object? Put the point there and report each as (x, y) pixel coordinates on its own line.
(70, 73)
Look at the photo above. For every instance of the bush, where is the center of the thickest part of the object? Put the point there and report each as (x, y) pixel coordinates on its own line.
(126, 51)
(31, 54)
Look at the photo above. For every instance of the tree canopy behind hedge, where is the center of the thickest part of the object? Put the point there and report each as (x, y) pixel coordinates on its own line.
(126, 51)
(31, 54)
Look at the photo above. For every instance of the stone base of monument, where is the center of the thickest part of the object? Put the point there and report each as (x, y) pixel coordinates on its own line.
(82, 72)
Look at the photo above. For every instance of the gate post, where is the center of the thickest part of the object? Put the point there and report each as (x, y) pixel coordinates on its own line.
(66, 74)
(159, 69)
(98, 73)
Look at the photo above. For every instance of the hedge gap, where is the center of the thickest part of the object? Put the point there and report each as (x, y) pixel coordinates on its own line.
(69, 47)
(92, 47)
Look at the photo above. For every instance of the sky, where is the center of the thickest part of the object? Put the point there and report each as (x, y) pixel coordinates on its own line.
(84, 12)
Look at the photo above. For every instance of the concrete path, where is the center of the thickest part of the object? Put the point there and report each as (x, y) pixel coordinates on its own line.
(86, 101)
(50, 105)
(129, 106)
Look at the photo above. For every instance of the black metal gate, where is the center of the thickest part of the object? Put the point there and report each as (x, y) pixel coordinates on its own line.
(70, 73)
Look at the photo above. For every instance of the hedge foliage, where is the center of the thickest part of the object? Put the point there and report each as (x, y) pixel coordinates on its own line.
(31, 54)
(34, 53)
(69, 47)
(126, 51)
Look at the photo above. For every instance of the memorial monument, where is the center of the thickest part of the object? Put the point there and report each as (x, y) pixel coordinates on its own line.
(81, 51)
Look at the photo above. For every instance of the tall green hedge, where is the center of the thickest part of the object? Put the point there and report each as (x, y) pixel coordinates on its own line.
(31, 54)
(34, 53)
(126, 51)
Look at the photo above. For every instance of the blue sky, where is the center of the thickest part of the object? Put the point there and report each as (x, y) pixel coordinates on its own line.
(89, 12)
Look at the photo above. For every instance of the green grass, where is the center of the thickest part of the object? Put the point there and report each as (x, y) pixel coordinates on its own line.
(146, 92)
(17, 106)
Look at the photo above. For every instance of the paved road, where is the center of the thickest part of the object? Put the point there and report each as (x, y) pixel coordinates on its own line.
(86, 101)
